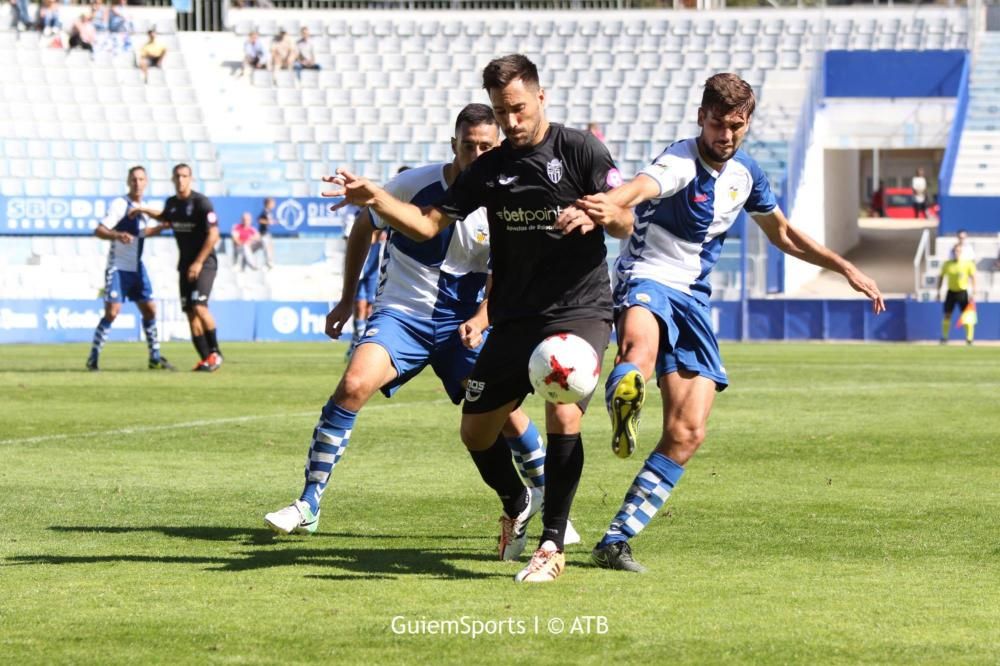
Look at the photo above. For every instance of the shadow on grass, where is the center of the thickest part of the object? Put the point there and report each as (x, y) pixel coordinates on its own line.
(267, 552)
(249, 535)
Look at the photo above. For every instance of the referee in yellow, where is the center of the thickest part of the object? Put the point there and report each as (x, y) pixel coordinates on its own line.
(961, 276)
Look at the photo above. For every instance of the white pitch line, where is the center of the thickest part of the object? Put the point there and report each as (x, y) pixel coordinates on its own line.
(135, 430)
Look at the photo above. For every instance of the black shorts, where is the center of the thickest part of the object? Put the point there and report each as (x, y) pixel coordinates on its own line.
(501, 372)
(953, 299)
(197, 292)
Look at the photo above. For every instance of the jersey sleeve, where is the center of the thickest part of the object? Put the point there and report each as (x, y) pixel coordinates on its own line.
(467, 193)
(398, 187)
(604, 174)
(671, 171)
(116, 211)
(761, 200)
(211, 219)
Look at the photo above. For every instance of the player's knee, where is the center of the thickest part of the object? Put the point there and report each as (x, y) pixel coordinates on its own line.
(354, 387)
(685, 436)
(474, 438)
(640, 353)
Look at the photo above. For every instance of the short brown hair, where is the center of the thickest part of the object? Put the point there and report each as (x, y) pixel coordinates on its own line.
(501, 71)
(725, 93)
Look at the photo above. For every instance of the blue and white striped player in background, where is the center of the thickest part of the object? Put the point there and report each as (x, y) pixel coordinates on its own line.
(429, 310)
(125, 276)
(686, 201)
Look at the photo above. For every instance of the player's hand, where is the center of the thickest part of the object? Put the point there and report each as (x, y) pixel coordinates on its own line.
(194, 270)
(124, 238)
(355, 190)
(136, 211)
(861, 282)
(471, 333)
(600, 208)
(573, 218)
(337, 318)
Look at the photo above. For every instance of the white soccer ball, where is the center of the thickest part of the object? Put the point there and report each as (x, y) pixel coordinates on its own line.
(564, 368)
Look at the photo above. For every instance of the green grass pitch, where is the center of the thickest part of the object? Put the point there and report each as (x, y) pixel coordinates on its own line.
(844, 509)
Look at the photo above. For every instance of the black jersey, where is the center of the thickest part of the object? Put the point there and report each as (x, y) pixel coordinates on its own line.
(537, 271)
(190, 220)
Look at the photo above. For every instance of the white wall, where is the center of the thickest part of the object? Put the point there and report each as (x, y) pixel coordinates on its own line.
(842, 200)
(809, 209)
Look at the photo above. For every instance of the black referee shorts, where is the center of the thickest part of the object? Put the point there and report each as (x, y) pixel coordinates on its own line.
(501, 372)
(953, 299)
(197, 292)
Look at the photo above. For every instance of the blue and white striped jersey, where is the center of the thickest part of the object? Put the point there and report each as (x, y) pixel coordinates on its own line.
(124, 257)
(678, 236)
(445, 273)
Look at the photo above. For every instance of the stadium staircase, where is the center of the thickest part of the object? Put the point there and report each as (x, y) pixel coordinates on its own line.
(977, 167)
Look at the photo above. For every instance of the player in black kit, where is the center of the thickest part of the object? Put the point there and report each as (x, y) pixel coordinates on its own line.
(191, 216)
(545, 281)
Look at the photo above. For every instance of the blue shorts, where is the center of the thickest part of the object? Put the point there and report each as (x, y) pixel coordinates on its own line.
(134, 286)
(687, 339)
(413, 344)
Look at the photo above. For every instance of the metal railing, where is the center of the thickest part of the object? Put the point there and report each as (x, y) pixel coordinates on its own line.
(921, 259)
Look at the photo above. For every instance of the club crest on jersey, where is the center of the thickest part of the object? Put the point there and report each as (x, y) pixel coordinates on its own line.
(554, 170)
(189, 209)
(734, 192)
(482, 234)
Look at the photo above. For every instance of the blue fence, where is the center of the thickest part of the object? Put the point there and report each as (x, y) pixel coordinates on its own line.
(55, 321)
(71, 216)
(931, 73)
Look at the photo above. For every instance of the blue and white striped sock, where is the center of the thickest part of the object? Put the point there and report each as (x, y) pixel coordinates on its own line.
(528, 452)
(614, 377)
(329, 440)
(650, 489)
(152, 339)
(100, 337)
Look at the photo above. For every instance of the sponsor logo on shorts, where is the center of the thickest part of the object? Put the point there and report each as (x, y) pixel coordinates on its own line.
(370, 332)
(554, 170)
(643, 298)
(474, 390)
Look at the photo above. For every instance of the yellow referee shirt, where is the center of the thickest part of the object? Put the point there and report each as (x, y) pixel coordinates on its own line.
(958, 273)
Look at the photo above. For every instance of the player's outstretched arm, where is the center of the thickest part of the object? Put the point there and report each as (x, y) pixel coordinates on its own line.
(105, 233)
(611, 210)
(416, 223)
(142, 210)
(798, 244)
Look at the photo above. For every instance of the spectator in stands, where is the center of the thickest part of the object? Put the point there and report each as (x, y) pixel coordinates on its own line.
(20, 14)
(595, 129)
(151, 54)
(283, 51)
(100, 16)
(48, 17)
(961, 275)
(878, 200)
(306, 58)
(264, 222)
(120, 27)
(246, 241)
(964, 247)
(919, 185)
(83, 34)
(254, 55)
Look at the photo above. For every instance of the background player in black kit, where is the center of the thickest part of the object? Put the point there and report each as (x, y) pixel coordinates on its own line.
(191, 216)
(544, 282)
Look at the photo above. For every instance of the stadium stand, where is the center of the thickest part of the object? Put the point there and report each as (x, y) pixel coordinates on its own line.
(386, 94)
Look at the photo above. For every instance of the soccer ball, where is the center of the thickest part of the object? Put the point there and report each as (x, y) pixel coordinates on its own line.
(564, 368)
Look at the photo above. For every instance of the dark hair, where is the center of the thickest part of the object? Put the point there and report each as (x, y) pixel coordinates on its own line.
(501, 71)
(473, 115)
(137, 167)
(725, 93)
(182, 165)
(403, 168)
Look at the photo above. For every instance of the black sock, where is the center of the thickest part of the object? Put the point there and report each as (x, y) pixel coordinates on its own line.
(201, 346)
(497, 469)
(213, 342)
(563, 466)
